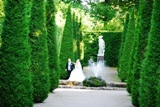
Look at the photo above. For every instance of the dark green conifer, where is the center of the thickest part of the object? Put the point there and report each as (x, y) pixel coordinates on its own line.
(67, 44)
(149, 82)
(127, 47)
(38, 42)
(141, 36)
(52, 45)
(15, 53)
(77, 36)
(120, 72)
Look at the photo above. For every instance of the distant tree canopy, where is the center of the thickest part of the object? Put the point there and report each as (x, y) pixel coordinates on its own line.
(125, 4)
(102, 11)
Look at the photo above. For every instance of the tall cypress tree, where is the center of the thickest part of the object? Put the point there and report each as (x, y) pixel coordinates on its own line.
(67, 44)
(127, 47)
(77, 36)
(52, 45)
(80, 39)
(151, 64)
(120, 73)
(1, 16)
(130, 61)
(38, 42)
(15, 77)
(142, 29)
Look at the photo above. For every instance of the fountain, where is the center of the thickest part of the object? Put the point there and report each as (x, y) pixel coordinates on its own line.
(96, 68)
(99, 66)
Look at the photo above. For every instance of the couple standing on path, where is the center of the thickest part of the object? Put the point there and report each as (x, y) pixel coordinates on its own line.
(74, 74)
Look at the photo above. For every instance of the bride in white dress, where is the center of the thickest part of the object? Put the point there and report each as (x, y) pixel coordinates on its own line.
(77, 73)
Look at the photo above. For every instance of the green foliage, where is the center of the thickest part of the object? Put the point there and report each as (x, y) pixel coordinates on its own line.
(1, 16)
(90, 47)
(141, 36)
(130, 62)
(112, 45)
(67, 44)
(149, 82)
(77, 36)
(94, 82)
(102, 11)
(38, 42)
(122, 45)
(52, 45)
(127, 48)
(112, 42)
(15, 77)
(130, 67)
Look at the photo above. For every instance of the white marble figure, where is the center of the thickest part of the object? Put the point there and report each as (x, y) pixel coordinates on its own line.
(101, 46)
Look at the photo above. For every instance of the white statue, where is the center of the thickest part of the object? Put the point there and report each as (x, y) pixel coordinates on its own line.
(101, 46)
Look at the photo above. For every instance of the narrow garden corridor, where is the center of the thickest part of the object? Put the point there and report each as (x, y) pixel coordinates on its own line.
(78, 96)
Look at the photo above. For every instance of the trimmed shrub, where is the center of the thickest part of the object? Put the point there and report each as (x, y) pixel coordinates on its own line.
(130, 60)
(38, 42)
(1, 17)
(127, 48)
(141, 36)
(15, 53)
(123, 38)
(149, 93)
(94, 82)
(67, 44)
(52, 45)
(77, 36)
(90, 47)
(112, 45)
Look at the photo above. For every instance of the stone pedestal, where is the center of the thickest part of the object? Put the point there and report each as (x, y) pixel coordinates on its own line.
(100, 58)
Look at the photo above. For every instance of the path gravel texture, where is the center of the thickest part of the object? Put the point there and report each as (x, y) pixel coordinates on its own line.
(64, 97)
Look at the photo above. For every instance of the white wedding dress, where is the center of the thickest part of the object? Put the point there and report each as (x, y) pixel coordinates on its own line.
(77, 73)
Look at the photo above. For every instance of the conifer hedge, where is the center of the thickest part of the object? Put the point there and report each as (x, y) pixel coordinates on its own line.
(112, 45)
(141, 36)
(77, 36)
(149, 93)
(15, 77)
(131, 61)
(38, 42)
(1, 16)
(52, 45)
(90, 47)
(67, 44)
(75, 32)
(123, 38)
(127, 48)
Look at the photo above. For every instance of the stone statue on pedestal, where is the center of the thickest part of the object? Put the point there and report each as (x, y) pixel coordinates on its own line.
(101, 50)
(101, 46)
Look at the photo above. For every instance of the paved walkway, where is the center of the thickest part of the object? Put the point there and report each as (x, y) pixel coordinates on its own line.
(72, 97)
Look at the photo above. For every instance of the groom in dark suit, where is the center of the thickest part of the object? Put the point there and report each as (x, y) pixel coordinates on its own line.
(69, 67)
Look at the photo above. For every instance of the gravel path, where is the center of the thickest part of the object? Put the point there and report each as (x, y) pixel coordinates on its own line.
(63, 97)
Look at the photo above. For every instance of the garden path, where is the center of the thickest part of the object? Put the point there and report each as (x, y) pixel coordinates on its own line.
(70, 97)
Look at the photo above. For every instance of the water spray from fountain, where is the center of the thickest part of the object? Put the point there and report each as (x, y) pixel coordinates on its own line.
(99, 66)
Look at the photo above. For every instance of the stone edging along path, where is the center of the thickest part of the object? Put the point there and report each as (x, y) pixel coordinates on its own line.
(78, 85)
(91, 88)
